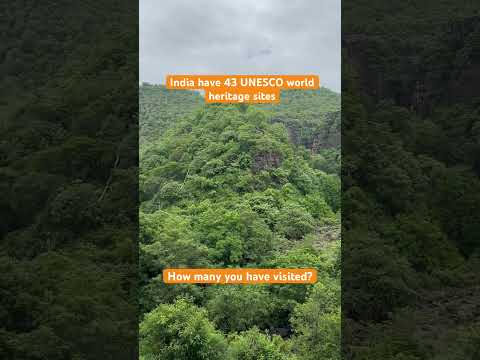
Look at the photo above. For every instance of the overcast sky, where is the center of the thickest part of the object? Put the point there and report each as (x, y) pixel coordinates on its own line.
(240, 37)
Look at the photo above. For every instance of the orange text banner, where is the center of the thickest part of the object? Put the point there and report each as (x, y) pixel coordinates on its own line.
(240, 276)
(197, 82)
(242, 88)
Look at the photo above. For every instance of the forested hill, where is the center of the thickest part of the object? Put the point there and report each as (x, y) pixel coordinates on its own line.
(306, 103)
(311, 117)
(159, 108)
(229, 185)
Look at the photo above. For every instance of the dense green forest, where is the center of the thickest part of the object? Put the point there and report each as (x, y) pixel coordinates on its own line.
(239, 186)
(410, 180)
(68, 180)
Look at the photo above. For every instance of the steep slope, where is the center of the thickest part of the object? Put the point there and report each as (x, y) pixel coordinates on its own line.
(313, 120)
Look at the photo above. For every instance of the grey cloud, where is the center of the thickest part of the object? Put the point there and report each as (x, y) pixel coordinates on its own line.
(251, 53)
(244, 36)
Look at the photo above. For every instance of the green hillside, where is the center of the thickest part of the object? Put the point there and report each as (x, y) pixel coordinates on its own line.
(230, 185)
(160, 107)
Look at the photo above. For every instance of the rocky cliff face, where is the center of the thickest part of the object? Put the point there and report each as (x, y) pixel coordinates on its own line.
(316, 135)
(266, 161)
(330, 136)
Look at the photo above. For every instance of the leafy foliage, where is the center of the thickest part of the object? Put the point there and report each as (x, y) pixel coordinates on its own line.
(180, 332)
(232, 186)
